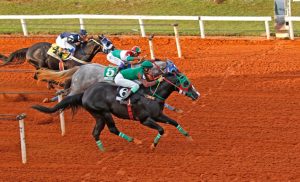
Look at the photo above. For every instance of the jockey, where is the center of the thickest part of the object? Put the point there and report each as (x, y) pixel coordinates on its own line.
(68, 41)
(126, 77)
(121, 58)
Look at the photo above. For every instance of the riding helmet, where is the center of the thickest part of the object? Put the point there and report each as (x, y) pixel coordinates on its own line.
(83, 32)
(147, 64)
(136, 49)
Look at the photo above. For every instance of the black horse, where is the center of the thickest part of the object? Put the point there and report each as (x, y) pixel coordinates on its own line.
(38, 57)
(147, 105)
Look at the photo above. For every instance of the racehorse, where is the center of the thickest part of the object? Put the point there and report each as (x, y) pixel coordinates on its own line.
(146, 106)
(78, 79)
(37, 54)
(84, 76)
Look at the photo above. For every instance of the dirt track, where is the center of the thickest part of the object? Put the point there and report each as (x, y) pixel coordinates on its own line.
(245, 126)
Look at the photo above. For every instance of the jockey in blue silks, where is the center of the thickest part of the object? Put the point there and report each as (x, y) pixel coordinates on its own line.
(68, 41)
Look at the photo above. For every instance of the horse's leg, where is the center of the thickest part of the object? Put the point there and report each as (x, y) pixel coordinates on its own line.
(149, 122)
(67, 84)
(100, 123)
(171, 108)
(165, 119)
(35, 66)
(113, 129)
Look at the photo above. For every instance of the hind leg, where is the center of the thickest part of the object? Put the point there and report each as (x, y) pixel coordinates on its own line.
(149, 122)
(113, 129)
(33, 63)
(99, 126)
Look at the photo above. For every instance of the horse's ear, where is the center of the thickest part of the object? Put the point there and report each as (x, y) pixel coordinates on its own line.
(101, 36)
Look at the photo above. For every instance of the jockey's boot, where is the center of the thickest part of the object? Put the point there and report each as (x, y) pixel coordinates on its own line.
(121, 67)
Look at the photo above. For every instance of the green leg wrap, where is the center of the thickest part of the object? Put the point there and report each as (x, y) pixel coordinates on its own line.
(181, 130)
(129, 139)
(156, 139)
(100, 145)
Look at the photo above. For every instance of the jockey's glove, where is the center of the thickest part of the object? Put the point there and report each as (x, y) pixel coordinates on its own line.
(160, 79)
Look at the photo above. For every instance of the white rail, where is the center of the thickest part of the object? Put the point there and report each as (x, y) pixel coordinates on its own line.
(140, 18)
(290, 19)
(266, 19)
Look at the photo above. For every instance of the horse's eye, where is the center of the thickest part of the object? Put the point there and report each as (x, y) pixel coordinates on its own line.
(186, 84)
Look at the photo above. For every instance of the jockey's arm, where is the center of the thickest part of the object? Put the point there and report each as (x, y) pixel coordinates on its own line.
(147, 83)
(133, 60)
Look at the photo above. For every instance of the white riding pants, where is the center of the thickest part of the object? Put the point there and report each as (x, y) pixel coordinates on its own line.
(64, 44)
(114, 60)
(120, 80)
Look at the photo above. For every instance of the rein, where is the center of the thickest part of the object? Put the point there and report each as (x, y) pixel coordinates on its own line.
(83, 52)
(181, 90)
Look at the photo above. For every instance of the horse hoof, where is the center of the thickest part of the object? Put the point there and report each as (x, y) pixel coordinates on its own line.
(137, 142)
(178, 111)
(46, 100)
(190, 138)
(152, 147)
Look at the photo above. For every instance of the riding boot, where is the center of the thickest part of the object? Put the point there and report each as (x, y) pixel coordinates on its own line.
(121, 67)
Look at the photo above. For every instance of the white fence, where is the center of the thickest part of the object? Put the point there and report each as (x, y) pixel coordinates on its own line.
(140, 18)
(290, 19)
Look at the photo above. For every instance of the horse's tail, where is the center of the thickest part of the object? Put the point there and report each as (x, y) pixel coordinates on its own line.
(58, 76)
(19, 55)
(70, 101)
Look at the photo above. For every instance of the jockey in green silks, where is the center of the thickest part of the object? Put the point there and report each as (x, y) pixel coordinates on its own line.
(126, 77)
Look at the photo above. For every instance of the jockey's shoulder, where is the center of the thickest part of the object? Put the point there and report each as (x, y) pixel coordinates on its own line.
(128, 53)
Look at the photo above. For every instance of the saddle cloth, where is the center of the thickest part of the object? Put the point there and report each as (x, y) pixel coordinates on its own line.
(56, 52)
(121, 92)
(110, 72)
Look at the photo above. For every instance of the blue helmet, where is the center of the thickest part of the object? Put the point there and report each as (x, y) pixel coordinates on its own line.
(83, 32)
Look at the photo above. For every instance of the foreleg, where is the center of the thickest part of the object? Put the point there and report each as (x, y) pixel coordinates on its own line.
(149, 122)
(165, 119)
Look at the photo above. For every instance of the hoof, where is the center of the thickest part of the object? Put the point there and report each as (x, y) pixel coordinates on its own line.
(178, 110)
(46, 100)
(190, 138)
(137, 142)
(153, 146)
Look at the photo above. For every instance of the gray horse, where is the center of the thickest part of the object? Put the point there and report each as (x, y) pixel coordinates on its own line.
(78, 79)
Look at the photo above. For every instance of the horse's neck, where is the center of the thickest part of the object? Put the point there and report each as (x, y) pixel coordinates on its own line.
(162, 90)
(84, 54)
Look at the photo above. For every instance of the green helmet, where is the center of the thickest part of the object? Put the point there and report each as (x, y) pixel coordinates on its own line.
(147, 64)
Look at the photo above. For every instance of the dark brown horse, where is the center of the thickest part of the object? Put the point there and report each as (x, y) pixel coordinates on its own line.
(147, 106)
(37, 55)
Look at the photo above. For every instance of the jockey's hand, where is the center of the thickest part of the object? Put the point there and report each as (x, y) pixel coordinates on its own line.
(160, 79)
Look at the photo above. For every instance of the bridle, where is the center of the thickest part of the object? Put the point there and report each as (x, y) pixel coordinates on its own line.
(181, 79)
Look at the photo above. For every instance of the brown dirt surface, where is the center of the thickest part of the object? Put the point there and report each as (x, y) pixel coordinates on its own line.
(245, 126)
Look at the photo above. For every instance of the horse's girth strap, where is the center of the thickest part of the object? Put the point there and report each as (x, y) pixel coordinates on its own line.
(61, 65)
(129, 109)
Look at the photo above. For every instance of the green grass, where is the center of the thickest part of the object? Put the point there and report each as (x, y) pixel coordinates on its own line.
(139, 7)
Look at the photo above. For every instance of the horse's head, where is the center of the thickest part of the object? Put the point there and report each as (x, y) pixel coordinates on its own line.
(107, 45)
(181, 82)
(95, 45)
(161, 67)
